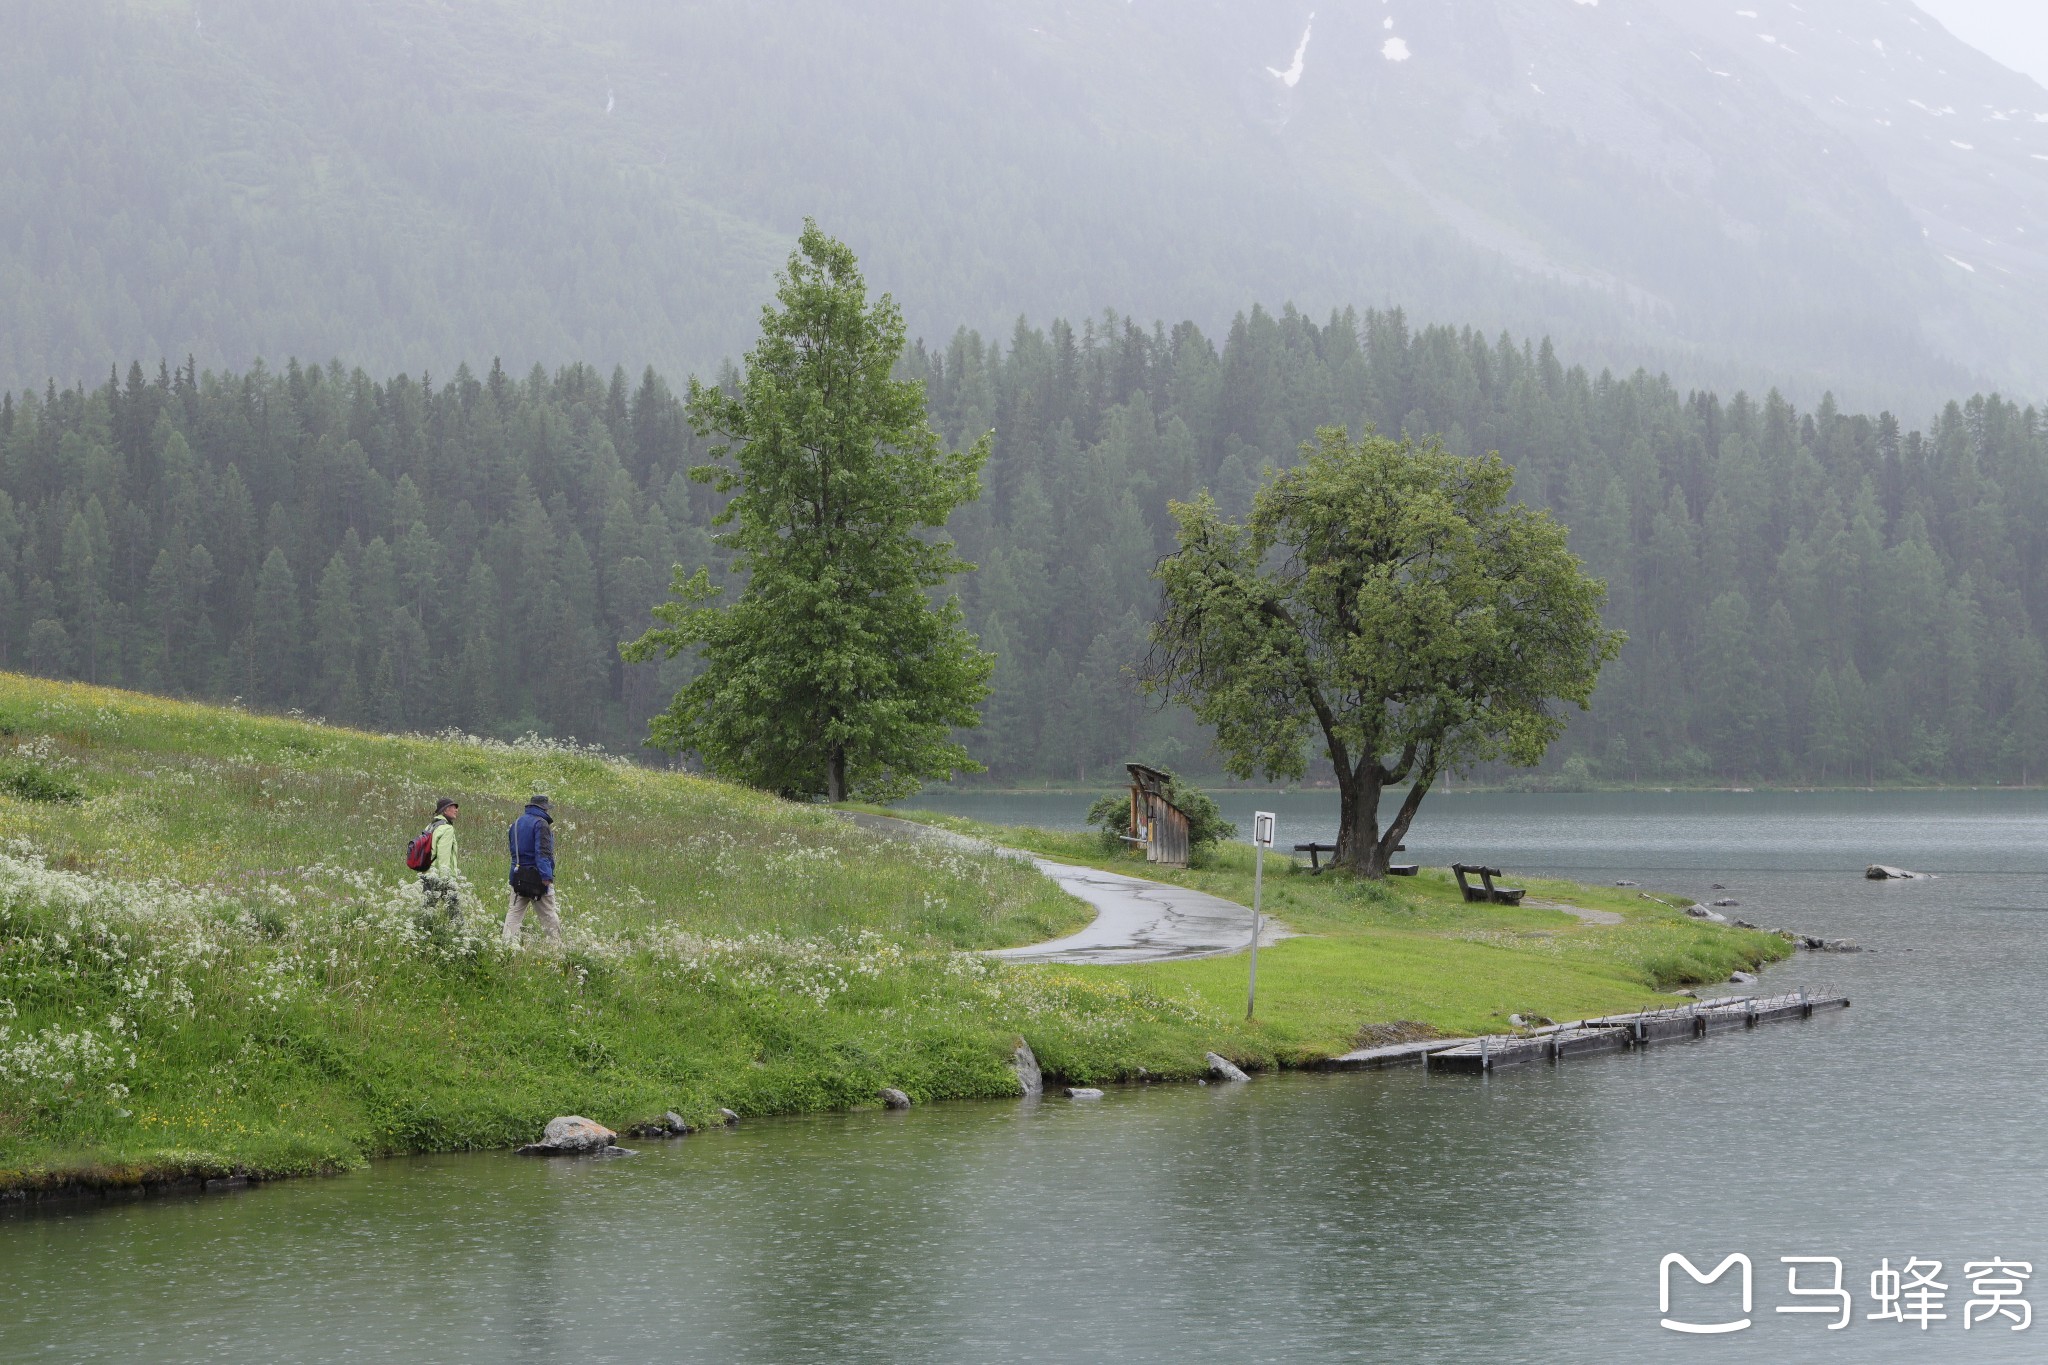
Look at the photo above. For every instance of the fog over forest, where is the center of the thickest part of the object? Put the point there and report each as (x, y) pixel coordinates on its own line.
(343, 344)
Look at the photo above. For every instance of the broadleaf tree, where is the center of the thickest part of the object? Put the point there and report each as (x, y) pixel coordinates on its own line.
(1388, 600)
(833, 671)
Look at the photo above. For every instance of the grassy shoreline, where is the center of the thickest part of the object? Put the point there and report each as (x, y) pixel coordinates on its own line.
(1411, 951)
(213, 965)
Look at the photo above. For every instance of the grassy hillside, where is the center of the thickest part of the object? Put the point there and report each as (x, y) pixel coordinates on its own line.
(210, 953)
(213, 959)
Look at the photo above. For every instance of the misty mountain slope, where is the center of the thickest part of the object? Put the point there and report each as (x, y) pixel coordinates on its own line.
(412, 183)
(1962, 142)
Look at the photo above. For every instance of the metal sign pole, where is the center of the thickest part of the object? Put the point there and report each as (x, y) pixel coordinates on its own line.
(1262, 839)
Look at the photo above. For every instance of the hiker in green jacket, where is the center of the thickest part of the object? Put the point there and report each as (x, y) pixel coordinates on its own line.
(438, 881)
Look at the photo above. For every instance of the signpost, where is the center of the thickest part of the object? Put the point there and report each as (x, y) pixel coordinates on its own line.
(1262, 839)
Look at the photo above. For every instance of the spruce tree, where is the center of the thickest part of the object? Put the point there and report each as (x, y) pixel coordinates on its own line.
(832, 672)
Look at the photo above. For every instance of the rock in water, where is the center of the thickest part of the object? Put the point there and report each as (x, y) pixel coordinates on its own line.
(729, 1117)
(894, 1099)
(1030, 1078)
(569, 1135)
(1223, 1069)
(675, 1123)
(1741, 978)
(1880, 872)
(1083, 1092)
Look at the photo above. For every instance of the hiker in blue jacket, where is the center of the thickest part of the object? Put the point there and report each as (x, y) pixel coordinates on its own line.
(531, 842)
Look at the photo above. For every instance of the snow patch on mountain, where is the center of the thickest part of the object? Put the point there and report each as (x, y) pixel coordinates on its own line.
(1291, 77)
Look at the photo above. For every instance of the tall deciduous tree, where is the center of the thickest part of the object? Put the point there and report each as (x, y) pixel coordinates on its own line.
(832, 672)
(1390, 600)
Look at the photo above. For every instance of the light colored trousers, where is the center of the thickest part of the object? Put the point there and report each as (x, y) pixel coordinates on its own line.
(543, 907)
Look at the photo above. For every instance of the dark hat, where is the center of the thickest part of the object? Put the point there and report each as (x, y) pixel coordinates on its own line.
(538, 799)
(444, 803)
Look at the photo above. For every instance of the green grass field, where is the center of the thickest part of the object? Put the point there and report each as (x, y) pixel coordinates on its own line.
(1413, 952)
(212, 957)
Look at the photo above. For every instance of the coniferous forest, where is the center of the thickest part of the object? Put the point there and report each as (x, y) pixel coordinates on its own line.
(1813, 596)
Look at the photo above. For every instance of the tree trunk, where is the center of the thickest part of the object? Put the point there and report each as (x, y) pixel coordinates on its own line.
(1358, 822)
(835, 774)
(1362, 846)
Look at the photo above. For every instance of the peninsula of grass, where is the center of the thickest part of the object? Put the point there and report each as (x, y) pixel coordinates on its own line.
(1409, 957)
(213, 961)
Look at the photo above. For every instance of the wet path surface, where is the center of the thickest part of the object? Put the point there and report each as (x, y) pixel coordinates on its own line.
(1136, 920)
(1144, 921)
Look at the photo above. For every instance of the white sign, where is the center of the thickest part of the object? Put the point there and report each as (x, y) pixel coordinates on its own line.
(1262, 828)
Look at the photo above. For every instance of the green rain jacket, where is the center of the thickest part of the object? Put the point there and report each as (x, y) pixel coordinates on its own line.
(444, 849)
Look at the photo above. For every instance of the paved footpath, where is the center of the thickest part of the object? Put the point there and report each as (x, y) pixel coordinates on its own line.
(1136, 920)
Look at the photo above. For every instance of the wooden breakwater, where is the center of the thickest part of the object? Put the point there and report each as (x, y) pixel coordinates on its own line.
(1611, 1033)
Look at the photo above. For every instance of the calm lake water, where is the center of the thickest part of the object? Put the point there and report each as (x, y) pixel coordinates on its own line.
(1382, 1217)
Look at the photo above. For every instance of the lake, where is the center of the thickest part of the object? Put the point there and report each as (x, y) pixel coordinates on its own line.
(1389, 1216)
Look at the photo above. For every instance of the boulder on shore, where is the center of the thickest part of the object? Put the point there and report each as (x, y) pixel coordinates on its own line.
(571, 1135)
(1030, 1077)
(893, 1098)
(1223, 1069)
(1742, 978)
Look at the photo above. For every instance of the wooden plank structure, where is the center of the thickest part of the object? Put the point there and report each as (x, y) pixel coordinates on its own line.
(1620, 1032)
(1157, 825)
(1613, 1033)
(1314, 852)
(1497, 895)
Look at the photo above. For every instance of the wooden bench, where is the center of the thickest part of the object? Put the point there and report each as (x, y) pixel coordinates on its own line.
(1496, 895)
(1315, 850)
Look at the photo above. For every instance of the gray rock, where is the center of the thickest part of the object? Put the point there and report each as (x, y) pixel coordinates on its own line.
(1742, 978)
(1839, 945)
(1083, 1092)
(1628, 883)
(1699, 912)
(570, 1135)
(1744, 924)
(1726, 904)
(1030, 1078)
(729, 1117)
(1882, 872)
(893, 1098)
(1531, 1020)
(1223, 1069)
(676, 1124)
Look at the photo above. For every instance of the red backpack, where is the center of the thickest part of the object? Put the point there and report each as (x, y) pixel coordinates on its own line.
(419, 854)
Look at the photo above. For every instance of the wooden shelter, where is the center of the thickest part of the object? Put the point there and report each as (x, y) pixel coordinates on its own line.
(1157, 825)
